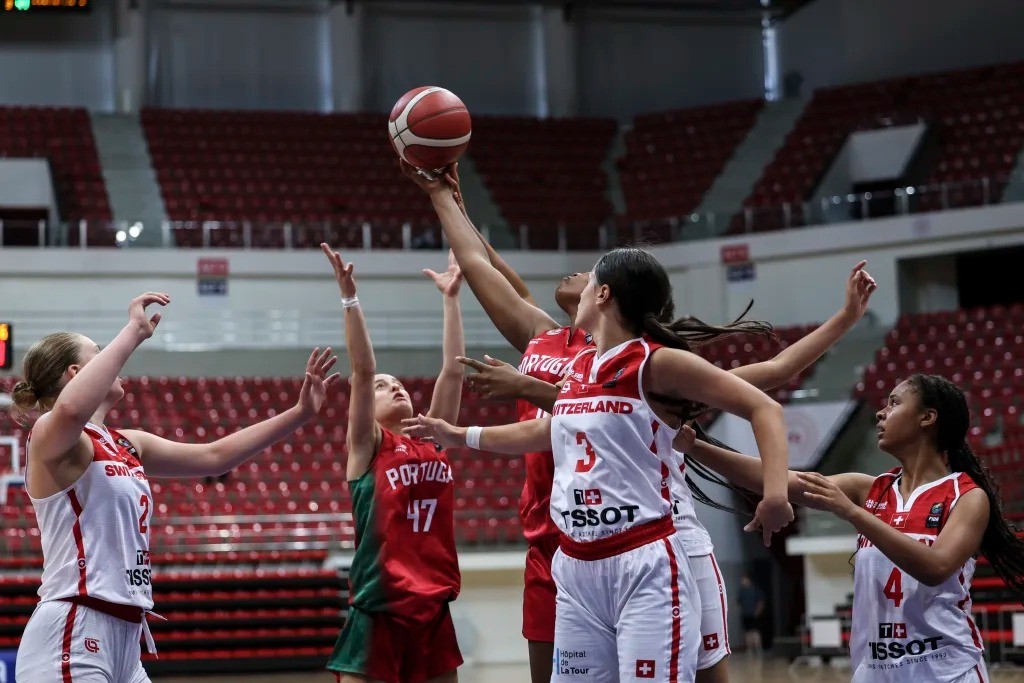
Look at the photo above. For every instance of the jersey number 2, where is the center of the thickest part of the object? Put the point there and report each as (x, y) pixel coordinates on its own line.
(427, 505)
(894, 587)
(585, 464)
(144, 503)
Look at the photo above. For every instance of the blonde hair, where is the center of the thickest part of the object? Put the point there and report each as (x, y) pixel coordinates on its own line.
(43, 369)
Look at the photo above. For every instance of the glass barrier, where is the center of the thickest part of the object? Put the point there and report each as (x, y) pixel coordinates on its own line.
(360, 234)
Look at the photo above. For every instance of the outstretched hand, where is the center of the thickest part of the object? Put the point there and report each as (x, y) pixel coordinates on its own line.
(342, 271)
(821, 493)
(316, 381)
(423, 427)
(137, 313)
(449, 281)
(448, 181)
(494, 379)
(859, 287)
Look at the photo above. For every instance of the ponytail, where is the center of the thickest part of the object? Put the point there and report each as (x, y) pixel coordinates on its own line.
(999, 543)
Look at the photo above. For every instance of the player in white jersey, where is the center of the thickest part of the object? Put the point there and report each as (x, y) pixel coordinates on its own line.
(89, 486)
(626, 599)
(494, 378)
(921, 526)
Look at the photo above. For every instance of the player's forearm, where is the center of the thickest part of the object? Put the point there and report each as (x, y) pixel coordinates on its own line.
(770, 434)
(537, 392)
(82, 396)
(357, 342)
(922, 562)
(801, 355)
(233, 450)
(741, 469)
(518, 438)
(507, 272)
(453, 338)
(465, 241)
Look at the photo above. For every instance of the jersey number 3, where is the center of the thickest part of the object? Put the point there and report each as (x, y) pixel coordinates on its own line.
(587, 463)
(894, 587)
(427, 506)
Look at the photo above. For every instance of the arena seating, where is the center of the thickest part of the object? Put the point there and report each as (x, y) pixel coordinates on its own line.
(673, 157)
(544, 173)
(977, 114)
(325, 174)
(62, 136)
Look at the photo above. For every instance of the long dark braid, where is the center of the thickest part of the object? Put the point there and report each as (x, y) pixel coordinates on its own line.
(707, 474)
(1000, 544)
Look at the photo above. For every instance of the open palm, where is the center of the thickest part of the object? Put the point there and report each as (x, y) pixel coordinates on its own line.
(317, 381)
(448, 281)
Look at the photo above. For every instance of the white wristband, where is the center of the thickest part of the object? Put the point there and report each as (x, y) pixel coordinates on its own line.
(473, 437)
(349, 301)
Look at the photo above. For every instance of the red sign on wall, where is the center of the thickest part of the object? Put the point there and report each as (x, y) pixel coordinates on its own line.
(736, 253)
(212, 276)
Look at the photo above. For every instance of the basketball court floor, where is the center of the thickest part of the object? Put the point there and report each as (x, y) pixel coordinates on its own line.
(743, 669)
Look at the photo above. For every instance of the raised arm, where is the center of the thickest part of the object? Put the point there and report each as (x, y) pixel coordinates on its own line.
(163, 458)
(516, 319)
(447, 397)
(364, 434)
(56, 432)
(746, 471)
(799, 356)
(518, 438)
(504, 268)
(959, 539)
(704, 383)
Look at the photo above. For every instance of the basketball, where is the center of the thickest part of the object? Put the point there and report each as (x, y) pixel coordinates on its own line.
(429, 127)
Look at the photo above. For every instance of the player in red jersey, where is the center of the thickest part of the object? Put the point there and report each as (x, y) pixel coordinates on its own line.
(89, 486)
(405, 570)
(547, 346)
(920, 527)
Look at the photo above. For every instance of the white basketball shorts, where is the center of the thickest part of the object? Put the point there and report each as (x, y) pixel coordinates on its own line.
(632, 616)
(714, 615)
(66, 643)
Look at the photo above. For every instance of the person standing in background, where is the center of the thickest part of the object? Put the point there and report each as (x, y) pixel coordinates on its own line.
(751, 600)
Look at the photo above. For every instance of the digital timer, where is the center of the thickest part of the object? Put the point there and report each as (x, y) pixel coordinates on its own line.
(6, 346)
(37, 5)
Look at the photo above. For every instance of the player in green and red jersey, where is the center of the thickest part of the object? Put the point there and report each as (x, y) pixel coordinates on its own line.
(405, 570)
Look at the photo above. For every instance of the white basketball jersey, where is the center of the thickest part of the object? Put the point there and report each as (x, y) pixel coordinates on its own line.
(613, 456)
(695, 537)
(95, 533)
(904, 630)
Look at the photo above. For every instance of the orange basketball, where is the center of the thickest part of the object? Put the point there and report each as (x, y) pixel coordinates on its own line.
(429, 127)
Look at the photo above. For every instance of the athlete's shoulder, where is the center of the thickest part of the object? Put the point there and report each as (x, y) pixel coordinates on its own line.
(965, 483)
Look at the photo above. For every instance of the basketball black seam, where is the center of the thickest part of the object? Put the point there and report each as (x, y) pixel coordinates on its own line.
(432, 116)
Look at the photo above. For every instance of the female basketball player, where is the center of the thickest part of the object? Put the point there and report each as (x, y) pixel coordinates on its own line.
(511, 308)
(921, 525)
(405, 570)
(625, 603)
(88, 485)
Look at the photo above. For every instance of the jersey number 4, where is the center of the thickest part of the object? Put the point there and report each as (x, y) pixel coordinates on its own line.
(587, 463)
(894, 587)
(427, 506)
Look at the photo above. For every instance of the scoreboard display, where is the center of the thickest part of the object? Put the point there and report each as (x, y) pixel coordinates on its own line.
(46, 5)
(6, 346)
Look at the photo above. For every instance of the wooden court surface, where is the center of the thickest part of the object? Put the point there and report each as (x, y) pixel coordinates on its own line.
(743, 670)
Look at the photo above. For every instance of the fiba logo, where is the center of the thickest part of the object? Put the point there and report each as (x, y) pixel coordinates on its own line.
(92, 645)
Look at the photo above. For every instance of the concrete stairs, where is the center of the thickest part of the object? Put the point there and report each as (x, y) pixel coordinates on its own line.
(128, 171)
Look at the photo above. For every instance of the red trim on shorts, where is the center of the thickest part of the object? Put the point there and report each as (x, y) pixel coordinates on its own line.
(619, 543)
(673, 663)
(79, 543)
(977, 670)
(65, 650)
(721, 596)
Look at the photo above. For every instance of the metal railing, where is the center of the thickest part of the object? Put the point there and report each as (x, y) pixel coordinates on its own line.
(553, 236)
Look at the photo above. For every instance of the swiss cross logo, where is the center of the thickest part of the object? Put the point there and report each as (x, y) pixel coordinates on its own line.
(645, 668)
(892, 630)
(711, 641)
(587, 496)
(899, 630)
(899, 521)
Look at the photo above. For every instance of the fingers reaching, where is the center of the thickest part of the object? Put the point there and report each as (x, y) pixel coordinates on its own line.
(472, 363)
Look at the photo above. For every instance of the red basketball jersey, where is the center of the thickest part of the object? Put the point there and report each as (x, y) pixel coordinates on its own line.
(545, 358)
(404, 507)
